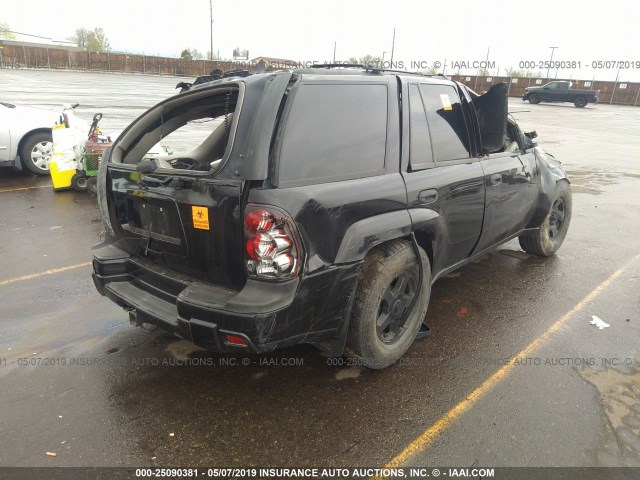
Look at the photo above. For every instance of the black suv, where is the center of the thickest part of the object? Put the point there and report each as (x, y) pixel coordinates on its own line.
(316, 206)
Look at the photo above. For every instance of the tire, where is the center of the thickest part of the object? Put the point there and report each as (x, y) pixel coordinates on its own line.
(547, 240)
(580, 102)
(36, 152)
(387, 286)
(79, 182)
(534, 98)
(92, 185)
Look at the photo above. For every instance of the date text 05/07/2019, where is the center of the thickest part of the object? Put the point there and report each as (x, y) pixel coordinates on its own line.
(579, 64)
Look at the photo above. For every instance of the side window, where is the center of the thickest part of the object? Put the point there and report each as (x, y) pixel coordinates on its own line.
(553, 86)
(449, 136)
(420, 154)
(334, 132)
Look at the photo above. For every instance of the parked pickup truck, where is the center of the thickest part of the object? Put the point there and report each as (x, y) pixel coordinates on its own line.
(318, 206)
(560, 92)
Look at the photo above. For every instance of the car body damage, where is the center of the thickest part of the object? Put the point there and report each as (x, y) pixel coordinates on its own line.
(258, 228)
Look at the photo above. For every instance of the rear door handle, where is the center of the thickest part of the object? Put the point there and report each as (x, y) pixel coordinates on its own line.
(495, 179)
(426, 197)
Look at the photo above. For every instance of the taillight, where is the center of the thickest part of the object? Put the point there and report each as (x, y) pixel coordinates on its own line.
(272, 245)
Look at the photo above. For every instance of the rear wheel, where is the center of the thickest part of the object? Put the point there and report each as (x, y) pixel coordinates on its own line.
(36, 152)
(547, 240)
(534, 98)
(580, 102)
(92, 185)
(390, 305)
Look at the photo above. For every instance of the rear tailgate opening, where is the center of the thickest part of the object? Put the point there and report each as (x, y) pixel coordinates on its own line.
(169, 207)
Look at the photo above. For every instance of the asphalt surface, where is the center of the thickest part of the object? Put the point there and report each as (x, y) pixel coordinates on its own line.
(108, 394)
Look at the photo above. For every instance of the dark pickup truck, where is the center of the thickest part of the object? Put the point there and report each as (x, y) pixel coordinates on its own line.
(317, 206)
(560, 92)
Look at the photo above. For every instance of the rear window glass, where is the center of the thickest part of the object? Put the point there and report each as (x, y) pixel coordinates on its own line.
(334, 132)
(193, 135)
(449, 137)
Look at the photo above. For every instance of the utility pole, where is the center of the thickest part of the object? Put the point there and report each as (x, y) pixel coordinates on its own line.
(393, 46)
(211, 25)
(615, 84)
(335, 44)
(550, 60)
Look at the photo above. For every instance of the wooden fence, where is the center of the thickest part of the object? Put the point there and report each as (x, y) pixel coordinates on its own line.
(15, 56)
(21, 56)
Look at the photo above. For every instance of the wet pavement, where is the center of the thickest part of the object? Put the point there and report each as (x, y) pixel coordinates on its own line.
(77, 380)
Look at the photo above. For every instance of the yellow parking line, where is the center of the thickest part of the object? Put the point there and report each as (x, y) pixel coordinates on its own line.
(7, 190)
(48, 272)
(430, 434)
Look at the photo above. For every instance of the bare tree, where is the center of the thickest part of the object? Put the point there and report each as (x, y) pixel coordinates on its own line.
(432, 70)
(80, 37)
(195, 54)
(512, 72)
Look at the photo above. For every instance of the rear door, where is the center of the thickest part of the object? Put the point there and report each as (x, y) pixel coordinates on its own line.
(443, 175)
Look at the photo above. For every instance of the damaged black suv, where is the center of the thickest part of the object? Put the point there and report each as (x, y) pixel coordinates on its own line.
(316, 206)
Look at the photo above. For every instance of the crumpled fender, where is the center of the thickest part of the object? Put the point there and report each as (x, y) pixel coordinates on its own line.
(551, 172)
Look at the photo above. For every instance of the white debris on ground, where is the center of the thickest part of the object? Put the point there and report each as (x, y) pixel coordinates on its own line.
(598, 322)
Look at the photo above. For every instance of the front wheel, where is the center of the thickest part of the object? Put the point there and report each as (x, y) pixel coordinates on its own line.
(390, 304)
(36, 152)
(547, 240)
(533, 98)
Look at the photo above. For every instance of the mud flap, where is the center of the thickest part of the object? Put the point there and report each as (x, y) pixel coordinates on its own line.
(424, 328)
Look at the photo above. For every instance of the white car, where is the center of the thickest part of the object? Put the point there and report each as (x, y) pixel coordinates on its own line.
(25, 137)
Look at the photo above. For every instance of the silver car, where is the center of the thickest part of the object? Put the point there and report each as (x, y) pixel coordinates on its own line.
(25, 137)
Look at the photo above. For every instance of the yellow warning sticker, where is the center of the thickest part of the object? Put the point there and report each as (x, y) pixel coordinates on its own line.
(446, 102)
(200, 217)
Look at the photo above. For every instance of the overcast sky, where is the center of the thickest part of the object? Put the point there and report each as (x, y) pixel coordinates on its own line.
(512, 31)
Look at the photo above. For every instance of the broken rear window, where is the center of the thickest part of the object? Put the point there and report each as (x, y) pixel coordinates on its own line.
(192, 131)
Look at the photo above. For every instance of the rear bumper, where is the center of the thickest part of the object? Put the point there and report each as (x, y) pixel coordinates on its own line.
(268, 315)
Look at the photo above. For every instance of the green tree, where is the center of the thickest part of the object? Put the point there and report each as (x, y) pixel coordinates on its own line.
(191, 54)
(5, 32)
(483, 72)
(97, 41)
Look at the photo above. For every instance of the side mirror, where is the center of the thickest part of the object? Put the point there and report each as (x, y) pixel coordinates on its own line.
(532, 134)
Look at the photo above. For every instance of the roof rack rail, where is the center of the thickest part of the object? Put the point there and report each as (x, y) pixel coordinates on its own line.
(338, 65)
(373, 68)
